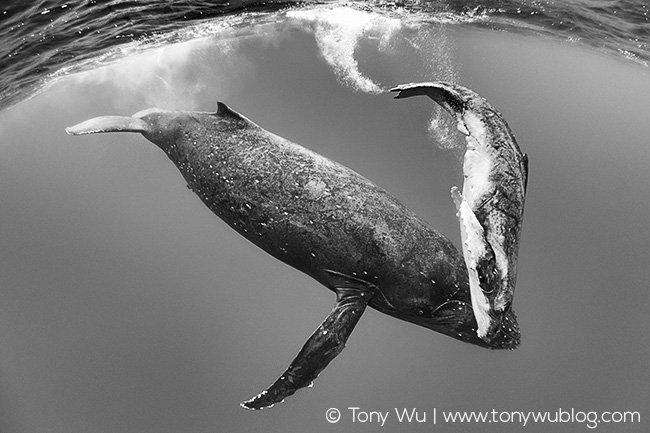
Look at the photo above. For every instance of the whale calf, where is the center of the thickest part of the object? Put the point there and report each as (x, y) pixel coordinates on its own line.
(334, 225)
(491, 205)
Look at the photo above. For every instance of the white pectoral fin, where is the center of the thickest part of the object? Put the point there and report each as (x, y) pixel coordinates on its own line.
(457, 197)
(475, 247)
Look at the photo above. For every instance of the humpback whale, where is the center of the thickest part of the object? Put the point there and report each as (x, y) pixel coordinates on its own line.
(349, 234)
(491, 205)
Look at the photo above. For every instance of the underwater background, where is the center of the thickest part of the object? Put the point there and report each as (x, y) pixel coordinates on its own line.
(126, 305)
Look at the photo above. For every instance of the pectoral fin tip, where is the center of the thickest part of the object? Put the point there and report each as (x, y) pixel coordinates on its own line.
(259, 402)
(456, 196)
(324, 344)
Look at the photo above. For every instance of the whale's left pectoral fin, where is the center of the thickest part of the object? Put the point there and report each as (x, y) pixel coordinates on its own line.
(324, 344)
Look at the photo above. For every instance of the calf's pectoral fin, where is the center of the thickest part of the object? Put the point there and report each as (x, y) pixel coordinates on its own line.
(477, 253)
(352, 297)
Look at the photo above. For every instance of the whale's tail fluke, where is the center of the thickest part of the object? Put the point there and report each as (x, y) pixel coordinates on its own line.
(447, 95)
(435, 90)
(109, 124)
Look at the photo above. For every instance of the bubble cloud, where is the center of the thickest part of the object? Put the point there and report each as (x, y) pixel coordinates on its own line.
(338, 32)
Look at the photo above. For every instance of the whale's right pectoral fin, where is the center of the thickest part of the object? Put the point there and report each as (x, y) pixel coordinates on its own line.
(109, 124)
(324, 344)
(480, 262)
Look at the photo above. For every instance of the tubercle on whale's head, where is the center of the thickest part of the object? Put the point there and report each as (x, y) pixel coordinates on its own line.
(506, 334)
(457, 320)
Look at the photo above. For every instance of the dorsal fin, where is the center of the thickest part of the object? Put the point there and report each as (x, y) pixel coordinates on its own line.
(224, 111)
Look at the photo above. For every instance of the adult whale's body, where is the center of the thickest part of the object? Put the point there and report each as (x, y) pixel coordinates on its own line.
(323, 219)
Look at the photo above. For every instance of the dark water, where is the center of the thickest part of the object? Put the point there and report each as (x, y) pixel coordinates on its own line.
(45, 36)
(127, 306)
